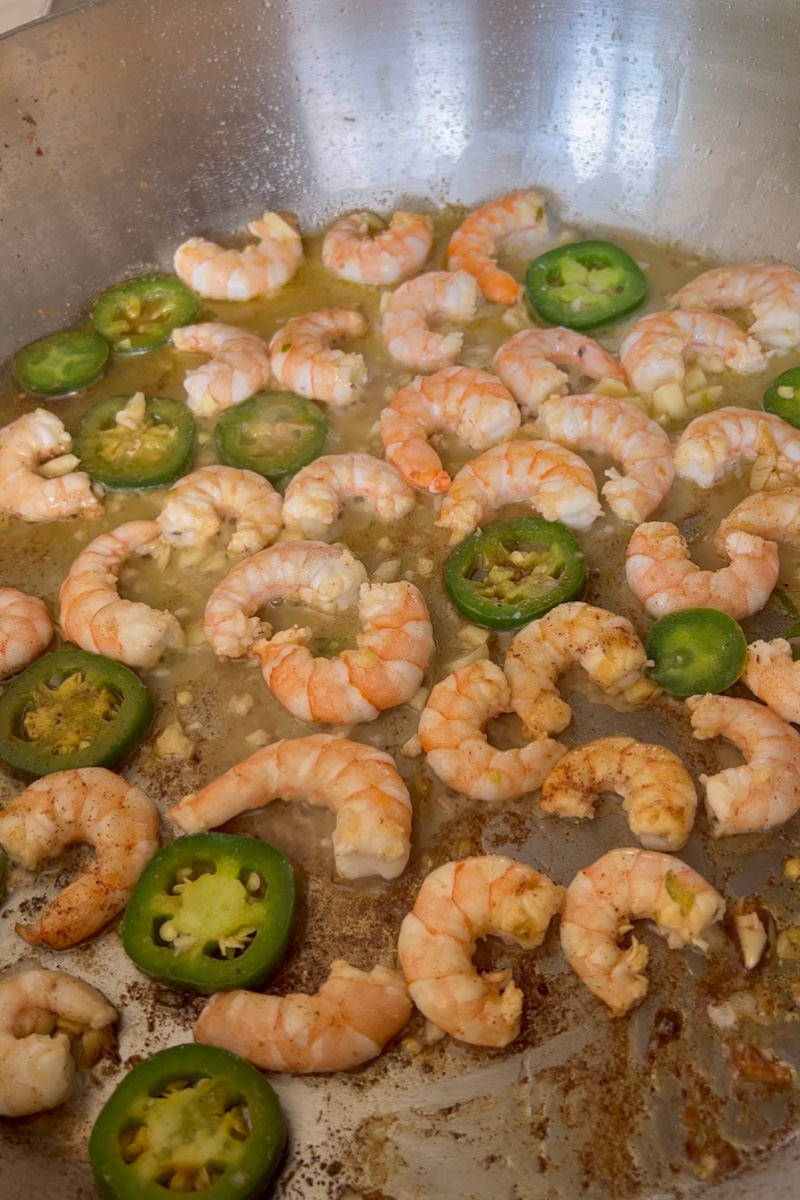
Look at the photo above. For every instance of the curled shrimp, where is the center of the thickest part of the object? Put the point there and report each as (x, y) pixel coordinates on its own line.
(219, 274)
(302, 361)
(764, 792)
(89, 805)
(472, 404)
(475, 244)
(407, 313)
(37, 1008)
(653, 350)
(604, 644)
(620, 429)
(712, 445)
(774, 516)
(624, 886)
(359, 247)
(346, 1023)
(239, 366)
(456, 905)
(772, 674)
(663, 578)
(26, 445)
(456, 748)
(770, 290)
(93, 614)
(26, 630)
(194, 509)
(528, 364)
(358, 783)
(658, 796)
(314, 496)
(552, 479)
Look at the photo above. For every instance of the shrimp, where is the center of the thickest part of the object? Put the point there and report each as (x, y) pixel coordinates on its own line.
(772, 674)
(552, 479)
(629, 885)
(528, 364)
(39, 1010)
(770, 290)
(26, 630)
(456, 748)
(663, 578)
(239, 366)
(96, 618)
(764, 792)
(474, 245)
(604, 644)
(774, 516)
(195, 508)
(314, 496)
(87, 805)
(437, 296)
(302, 362)
(360, 248)
(653, 350)
(394, 649)
(712, 445)
(219, 274)
(327, 578)
(346, 1023)
(658, 795)
(471, 403)
(358, 783)
(621, 430)
(25, 446)
(456, 905)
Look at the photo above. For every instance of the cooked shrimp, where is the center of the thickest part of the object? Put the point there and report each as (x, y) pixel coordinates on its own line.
(395, 647)
(219, 274)
(346, 1023)
(302, 362)
(356, 782)
(604, 900)
(195, 508)
(26, 445)
(456, 905)
(662, 576)
(37, 1070)
(436, 296)
(621, 430)
(327, 578)
(90, 805)
(714, 444)
(472, 404)
(93, 614)
(26, 630)
(475, 244)
(315, 494)
(764, 792)
(239, 366)
(552, 479)
(772, 674)
(658, 796)
(362, 249)
(653, 350)
(604, 644)
(774, 516)
(528, 364)
(770, 290)
(456, 748)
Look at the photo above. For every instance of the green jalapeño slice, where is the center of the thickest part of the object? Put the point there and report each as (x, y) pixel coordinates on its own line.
(128, 442)
(696, 650)
(140, 314)
(61, 364)
(189, 1119)
(211, 912)
(512, 572)
(782, 397)
(273, 433)
(584, 285)
(72, 709)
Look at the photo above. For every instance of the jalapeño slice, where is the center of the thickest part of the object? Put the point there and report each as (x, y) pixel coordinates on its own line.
(696, 650)
(782, 397)
(135, 441)
(140, 314)
(189, 1119)
(71, 709)
(512, 572)
(273, 433)
(584, 285)
(210, 912)
(61, 364)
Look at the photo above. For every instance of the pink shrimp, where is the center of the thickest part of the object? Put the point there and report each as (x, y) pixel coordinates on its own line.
(302, 361)
(407, 312)
(474, 245)
(528, 364)
(360, 248)
(770, 290)
(239, 366)
(653, 350)
(220, 274)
